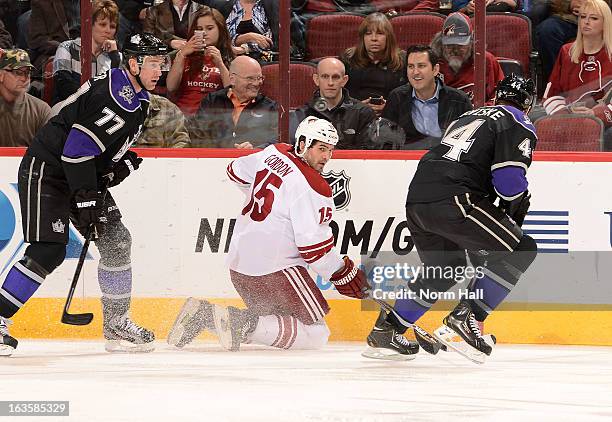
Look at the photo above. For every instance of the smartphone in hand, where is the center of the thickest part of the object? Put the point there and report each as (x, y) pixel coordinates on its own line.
(200, 38)
(377, 100)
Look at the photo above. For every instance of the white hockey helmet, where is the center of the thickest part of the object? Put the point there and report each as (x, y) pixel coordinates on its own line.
(313, 129)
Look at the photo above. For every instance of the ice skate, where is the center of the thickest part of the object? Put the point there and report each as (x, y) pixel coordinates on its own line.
(194, 317)
(123, 335)
(8, 343)
(461, 333)
(233, 325)
(384, 342)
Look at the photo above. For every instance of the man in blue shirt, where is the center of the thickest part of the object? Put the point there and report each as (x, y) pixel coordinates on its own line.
(424, 107)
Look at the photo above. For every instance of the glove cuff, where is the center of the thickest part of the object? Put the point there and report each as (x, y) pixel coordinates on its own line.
(345, 274)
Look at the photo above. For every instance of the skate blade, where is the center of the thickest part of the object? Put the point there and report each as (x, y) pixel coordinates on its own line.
(188, 310)
(122, 346)
(447, 337)
(385, 354)
(6, 350)
(222, 327)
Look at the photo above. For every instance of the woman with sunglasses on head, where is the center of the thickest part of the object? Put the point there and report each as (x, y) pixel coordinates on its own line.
(201, 65)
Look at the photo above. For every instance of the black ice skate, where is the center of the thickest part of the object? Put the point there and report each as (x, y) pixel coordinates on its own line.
(233, 325)
(8, 343)
(384, 342)
(195, 316)
(461, 332)
(123, 335)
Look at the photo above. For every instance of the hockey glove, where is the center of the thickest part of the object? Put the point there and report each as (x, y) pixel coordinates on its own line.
(516, 209)
(350, 280)
(124, 167)
(89, 212)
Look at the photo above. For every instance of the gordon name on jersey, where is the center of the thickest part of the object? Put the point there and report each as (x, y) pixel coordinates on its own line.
(493, 147)
(285, 218)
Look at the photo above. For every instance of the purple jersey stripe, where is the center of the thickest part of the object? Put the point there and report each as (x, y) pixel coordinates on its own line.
(115, 282)
(19, 285)
(520, 117)
(492, 293)
(509, 181)
(409, 309)
(80, 144)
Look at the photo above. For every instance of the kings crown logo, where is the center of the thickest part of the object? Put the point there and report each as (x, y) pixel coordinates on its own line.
(339, 183)
(127, 94)
(58, 226)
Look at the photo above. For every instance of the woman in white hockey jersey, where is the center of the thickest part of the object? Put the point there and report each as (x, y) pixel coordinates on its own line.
(283, 226)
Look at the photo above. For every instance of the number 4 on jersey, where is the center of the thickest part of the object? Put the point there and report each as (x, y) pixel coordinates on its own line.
(460, 139)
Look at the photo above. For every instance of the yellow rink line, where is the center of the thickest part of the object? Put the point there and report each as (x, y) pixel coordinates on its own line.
(547, 324)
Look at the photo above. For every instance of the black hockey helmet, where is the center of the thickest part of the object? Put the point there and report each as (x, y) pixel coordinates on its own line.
(142, 45)
(516, 90)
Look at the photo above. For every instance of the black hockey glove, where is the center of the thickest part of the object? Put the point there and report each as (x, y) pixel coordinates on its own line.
(89, 212)
(516, 209)
(124, 167)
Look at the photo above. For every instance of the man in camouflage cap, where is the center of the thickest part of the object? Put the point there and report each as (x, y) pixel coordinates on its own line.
(21, 115)
(14, 59)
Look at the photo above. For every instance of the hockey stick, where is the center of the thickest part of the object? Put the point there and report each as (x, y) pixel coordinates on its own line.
(428, 342)
(67, 317)
(86, 318)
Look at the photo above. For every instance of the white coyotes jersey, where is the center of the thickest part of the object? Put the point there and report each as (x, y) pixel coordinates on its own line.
(285, 218)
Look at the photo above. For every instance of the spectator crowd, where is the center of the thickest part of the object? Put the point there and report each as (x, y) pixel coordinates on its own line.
(219, 90)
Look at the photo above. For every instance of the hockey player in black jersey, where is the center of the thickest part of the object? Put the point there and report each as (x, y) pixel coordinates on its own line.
(450, 209)
(72, 160)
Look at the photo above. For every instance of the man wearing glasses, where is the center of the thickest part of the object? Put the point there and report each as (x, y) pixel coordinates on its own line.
(21, 114)
(238, 116)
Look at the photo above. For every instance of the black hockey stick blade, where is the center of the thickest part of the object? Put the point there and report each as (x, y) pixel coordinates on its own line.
(427, 341)
(77, 319)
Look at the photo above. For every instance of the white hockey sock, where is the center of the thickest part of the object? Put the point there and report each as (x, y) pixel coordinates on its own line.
(287, 332)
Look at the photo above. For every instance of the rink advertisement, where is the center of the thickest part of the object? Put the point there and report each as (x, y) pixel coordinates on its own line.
(181, 213)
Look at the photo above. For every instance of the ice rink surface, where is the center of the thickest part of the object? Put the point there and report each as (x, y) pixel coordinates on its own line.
(204, 383)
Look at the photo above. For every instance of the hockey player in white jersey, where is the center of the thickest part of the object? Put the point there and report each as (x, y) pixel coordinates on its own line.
(282, 228)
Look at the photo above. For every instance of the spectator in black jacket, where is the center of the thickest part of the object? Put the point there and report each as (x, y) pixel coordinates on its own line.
(376, 65)
(132, 14)
(238, 116)
(332, 102)
(6, 41)
(425, 107)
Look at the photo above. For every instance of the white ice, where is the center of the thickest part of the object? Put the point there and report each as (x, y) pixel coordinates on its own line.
(204, 383)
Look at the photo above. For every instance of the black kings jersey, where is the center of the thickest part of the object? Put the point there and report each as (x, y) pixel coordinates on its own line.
(485, 151)
(93, 129)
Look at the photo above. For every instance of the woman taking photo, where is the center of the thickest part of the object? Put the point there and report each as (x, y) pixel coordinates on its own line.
(201, 65)
(375, 66)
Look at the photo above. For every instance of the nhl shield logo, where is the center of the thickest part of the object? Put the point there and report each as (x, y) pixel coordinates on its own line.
(339, 183)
